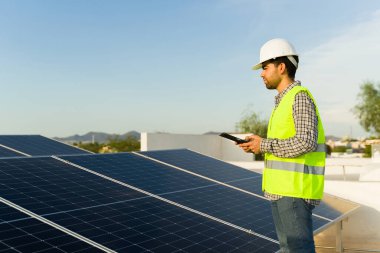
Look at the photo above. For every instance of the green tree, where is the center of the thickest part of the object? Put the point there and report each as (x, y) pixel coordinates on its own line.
(127, 144)
(367, 151)
(252, 123)
(368, 109)
(117, 144)
(93, 147)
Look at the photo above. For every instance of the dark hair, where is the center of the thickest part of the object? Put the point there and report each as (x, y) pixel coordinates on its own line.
(291, 69)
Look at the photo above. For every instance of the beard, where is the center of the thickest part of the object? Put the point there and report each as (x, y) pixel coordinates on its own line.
(270, 86)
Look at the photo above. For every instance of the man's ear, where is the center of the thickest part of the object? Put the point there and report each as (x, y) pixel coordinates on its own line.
(282, 68)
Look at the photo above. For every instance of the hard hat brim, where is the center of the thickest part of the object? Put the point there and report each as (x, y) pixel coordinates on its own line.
(257, 66)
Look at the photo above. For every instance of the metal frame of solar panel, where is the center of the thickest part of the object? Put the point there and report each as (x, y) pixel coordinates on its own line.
(245, 180)
(7, 152)
(115, 214)
(36, 145)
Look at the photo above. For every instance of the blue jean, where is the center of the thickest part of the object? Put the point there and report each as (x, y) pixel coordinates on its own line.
(294, 225)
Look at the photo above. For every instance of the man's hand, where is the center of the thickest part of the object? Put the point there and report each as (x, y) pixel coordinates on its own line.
(253, 146)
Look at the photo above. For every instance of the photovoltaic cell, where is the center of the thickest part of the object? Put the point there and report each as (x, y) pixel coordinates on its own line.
(114, 215)
(227, 173)
(37, 145)
(21, 233)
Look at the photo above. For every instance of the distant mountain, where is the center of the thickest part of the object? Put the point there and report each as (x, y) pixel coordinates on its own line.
(96, 136)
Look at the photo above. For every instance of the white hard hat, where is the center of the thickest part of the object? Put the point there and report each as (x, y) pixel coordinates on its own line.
(276, 48)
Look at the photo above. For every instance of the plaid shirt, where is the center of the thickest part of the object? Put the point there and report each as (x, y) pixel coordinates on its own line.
(305, 140)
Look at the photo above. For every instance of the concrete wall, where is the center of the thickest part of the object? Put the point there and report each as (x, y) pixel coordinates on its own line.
(208, 144)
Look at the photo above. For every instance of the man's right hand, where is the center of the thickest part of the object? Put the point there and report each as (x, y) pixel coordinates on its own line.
(253, 146)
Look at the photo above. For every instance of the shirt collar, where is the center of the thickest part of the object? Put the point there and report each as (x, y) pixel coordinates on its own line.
(282, 94)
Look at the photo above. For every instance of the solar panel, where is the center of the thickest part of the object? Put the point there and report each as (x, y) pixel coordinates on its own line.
(236, 176)
(114, 215)
(245, 210)
(37, 145)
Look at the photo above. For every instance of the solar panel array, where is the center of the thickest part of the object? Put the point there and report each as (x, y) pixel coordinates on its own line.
(161, 201)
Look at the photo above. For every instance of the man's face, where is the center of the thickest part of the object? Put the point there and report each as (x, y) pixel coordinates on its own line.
(270, 75)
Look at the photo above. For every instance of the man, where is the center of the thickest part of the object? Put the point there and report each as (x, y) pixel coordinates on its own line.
(293, 176)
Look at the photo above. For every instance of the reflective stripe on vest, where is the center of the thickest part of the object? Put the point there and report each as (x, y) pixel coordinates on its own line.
(294, 167)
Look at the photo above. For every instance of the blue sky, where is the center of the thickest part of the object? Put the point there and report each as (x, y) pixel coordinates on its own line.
(74, 66)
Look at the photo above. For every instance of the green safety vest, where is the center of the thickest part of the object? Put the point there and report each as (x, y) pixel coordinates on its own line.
(302, 176)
